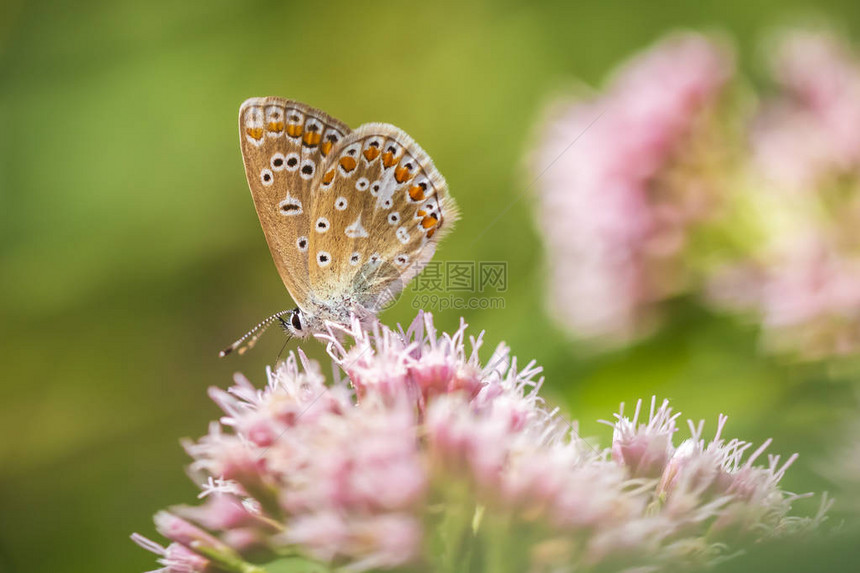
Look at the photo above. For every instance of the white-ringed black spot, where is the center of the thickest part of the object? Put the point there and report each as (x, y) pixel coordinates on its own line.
(266, 177)
(322, 225)
(307, 169)
(374, 189)
(323, 259)
(292, 161)
(302, 244)
(277, 161)
(341, 203)
(362, 183)
(290, 206)
(387, 203)
(354, 258)
(374, 258)
(401, 260)
(393, 218)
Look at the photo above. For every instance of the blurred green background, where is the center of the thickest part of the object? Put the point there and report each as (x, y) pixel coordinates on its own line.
(130, 252)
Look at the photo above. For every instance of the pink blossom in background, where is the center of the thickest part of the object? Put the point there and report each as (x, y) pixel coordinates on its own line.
(807, 133)
(614, 209)
(800, 280)
(438, 457)
(805, 294)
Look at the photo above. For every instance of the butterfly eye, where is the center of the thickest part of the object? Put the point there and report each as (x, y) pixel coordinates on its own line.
(393, 218)
(322, 225)
(266, 177)
(296, 320)
(302, 244)
(340, 204)
(362, 183)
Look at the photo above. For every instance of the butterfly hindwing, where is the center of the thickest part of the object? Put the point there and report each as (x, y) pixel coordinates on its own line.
(284, 143)
(379, 208)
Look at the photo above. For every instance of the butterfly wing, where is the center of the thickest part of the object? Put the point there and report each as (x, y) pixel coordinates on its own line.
(284, 144)
(379, 208)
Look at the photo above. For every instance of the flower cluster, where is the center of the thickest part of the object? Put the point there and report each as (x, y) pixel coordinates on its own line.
(686, 182)
(802, 278)
(620, 183)
(423, 459)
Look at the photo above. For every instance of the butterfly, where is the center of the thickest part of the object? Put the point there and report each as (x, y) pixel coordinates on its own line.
(350, 217)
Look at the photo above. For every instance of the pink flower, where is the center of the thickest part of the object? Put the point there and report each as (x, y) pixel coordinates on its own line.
(614, 213)
(804, 293)
(176, 558)
(644, 449)
(808, 132)
(437, 457)
(800, 278)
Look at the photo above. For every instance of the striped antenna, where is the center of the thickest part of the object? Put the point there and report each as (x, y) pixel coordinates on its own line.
(241, 346)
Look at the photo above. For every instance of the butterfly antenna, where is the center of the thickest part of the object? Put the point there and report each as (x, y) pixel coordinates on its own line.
(250, 338)
(287, 341)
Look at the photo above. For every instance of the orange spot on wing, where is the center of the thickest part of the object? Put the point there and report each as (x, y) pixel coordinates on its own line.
(275, 126)
(294, 130)
(428, 222)
(402, 174)
(311, 138)
(254, 132)
(431, 232)
(348, 163)
(416, 193)
(328, 177)
(388, 159)
(371, 153)
(326, 147)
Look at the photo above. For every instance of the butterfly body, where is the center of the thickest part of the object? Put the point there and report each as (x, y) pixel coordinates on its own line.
(350, 217)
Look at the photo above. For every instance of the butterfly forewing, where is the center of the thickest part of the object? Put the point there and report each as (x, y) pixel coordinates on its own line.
(379, 207)
(284, 144)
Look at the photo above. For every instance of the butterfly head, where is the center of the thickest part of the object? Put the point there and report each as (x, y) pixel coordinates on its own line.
(296, 323)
